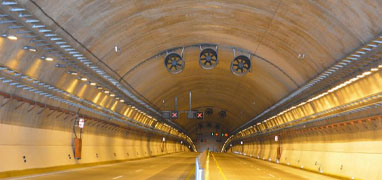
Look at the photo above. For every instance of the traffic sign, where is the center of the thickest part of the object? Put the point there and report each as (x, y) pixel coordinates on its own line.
(199, 115)
(81, 123)
(174, 114)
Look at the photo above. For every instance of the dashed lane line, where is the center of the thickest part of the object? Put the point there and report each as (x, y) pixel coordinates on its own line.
(190, 173)
(220, 169)
(117, 177)
(207, 176)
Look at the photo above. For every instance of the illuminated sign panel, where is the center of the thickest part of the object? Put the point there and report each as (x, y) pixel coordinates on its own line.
(174, 115)
(81, 123)
(199, 115)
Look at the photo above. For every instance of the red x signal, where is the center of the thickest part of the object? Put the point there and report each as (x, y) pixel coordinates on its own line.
(174, 115)
(199, 115)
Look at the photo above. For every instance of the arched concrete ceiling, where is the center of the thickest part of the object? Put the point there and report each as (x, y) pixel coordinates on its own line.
(275, 30)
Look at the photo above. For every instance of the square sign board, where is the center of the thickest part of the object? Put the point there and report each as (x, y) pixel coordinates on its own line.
(174, 114)
(81, 123)
(199, 115)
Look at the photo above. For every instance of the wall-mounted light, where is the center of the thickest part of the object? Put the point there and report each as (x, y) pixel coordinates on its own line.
(73, 73)
(116, 49)
(92, 83)
(29, 48)
(122, 100)
(84, 79)
(163, 139)
(301, 56)
(9, 36)
(60, 66)
(106, 91)
(99, 87)
(112, 95)
(47, 58)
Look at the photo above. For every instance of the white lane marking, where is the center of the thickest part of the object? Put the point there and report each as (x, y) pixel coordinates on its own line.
(138, 170)
(271, 175)
(117, 177)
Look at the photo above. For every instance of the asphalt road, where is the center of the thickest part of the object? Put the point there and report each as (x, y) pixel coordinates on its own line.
(221, 166)
(173, 166)
(227, 166)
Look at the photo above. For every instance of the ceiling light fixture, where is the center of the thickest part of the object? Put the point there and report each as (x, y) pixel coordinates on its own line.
(84, 79)
(47, 58)
(29, 48)
(116, 49)
(92, 83)
(60, 65)
(73, 73)
(10, 37)
(301, 56)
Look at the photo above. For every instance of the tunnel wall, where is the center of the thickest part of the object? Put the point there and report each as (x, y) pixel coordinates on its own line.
(350, 150)
(209, 136)
(45, 138)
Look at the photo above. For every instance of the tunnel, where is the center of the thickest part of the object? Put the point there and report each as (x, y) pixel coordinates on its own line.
(191, 89)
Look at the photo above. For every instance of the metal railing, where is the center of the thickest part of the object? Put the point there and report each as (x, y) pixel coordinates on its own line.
(200, 165)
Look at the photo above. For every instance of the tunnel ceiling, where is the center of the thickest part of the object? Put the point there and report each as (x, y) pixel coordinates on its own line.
(275, 31)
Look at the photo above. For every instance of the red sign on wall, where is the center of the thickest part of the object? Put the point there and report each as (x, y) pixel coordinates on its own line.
(199, 115)
(174, 115)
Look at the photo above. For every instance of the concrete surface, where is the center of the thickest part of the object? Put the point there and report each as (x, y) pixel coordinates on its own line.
(174, 166)
(227, 166)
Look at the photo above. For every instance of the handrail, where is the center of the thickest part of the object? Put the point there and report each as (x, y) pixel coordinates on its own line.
(200, 165)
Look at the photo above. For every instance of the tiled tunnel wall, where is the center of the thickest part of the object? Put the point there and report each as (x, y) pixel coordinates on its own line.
(344, 150)
(36, 138)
